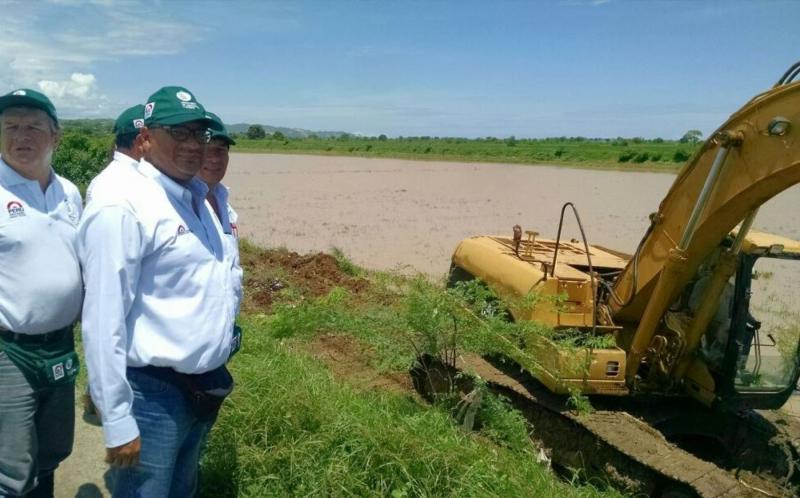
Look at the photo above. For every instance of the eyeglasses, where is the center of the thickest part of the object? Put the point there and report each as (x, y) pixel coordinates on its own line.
(182, 133)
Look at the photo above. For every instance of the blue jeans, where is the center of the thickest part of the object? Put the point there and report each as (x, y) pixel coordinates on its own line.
(36, 431)
(171, 442)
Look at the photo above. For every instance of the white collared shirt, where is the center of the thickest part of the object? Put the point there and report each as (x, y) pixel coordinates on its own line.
(120, 165)
(159, 288)
(40, 277)
(227, 219)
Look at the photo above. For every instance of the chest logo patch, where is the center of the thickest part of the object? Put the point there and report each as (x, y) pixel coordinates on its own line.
(72, 213)
(181, 230)
(15, 209)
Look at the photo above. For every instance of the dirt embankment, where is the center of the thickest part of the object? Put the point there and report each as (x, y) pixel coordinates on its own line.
(268, 272)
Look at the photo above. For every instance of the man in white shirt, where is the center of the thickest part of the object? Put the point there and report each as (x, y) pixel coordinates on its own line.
(159, 307)
(40, 298)
(127, 152)
(127, 147)
(212, 173)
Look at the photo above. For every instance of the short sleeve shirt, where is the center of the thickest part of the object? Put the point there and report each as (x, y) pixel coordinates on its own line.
(40, 278)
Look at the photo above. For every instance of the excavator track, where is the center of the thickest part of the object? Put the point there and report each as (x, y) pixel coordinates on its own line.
(614, 446)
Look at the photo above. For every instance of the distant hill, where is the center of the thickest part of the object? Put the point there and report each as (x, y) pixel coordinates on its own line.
(101, 126)
(287, 132)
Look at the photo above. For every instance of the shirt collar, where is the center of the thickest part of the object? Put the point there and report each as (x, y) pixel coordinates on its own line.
(220, 192)
(10, 177)
(124, 158)
(192, 187)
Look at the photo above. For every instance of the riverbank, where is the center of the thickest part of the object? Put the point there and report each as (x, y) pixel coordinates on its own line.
(606, 154)
(452, 158)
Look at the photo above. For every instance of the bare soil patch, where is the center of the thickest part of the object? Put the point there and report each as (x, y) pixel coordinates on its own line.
(268, 271)
(350, 360)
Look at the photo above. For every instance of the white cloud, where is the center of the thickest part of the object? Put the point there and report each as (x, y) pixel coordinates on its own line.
(78, 94)
(55, 45)
(79, 85)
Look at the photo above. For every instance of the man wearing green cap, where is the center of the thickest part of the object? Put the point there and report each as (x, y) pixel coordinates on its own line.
(40, 298)
(127, 147)
(159, 306)
(213, 171)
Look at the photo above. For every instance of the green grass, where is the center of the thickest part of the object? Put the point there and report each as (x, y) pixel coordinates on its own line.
(628, 154)
(292, 429)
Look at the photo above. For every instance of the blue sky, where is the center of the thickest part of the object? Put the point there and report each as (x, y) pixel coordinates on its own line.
(439, 68)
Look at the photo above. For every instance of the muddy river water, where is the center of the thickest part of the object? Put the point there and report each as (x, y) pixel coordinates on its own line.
(390, 213)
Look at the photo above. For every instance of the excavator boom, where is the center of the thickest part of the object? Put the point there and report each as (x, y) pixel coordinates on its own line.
(763, 161)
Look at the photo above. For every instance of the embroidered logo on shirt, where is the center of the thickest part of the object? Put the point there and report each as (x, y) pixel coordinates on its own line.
(234, 230)
(181, 230)
(15, 209)
(72, 213)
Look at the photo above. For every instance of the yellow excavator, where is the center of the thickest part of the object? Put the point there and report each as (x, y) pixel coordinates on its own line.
(700, 311)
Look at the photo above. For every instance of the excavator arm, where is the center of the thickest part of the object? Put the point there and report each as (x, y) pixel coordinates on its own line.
(751, 158)
(759, 165)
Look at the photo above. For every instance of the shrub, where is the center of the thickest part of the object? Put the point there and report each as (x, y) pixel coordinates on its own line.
(79, 157)
(626, 156)
(680, 156)
(641, 157)
(255, 132)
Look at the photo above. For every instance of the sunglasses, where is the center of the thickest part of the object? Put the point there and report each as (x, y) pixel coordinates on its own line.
(182, 133)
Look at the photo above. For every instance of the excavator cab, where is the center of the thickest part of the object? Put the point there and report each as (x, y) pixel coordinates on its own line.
(761, 362)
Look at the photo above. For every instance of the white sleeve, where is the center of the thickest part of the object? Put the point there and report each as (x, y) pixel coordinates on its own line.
(110, 247)
(238, 273)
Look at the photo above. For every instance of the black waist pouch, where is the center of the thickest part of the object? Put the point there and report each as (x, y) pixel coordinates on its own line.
(204, 392)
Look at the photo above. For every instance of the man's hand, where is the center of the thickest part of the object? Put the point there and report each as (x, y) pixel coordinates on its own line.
(126, 455)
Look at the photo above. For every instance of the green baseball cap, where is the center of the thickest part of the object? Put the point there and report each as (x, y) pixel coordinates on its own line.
(172, 105)
(130, 120)
(218, 130)
(25, 97)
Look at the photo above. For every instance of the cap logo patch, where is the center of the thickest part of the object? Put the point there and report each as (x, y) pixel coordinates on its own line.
(19, 92)
(148, 109)
(15, 209)
(184, 96)
(138, 123)
(189, 105)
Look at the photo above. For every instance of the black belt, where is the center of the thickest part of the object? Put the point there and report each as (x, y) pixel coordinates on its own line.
(161, 373)
(53, 336)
